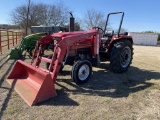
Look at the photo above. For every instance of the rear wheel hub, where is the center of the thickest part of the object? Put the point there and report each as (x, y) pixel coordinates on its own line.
(125, 56)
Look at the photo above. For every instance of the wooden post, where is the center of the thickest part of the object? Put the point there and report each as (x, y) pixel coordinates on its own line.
(13, 37)
(0, 43)
(8, 38)
(27, 17)
(16, 37)
(19, 36)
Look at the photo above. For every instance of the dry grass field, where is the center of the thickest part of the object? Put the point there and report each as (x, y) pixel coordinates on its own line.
(133, 95)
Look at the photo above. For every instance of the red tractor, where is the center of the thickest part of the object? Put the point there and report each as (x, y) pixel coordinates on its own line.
(79, 49)
(113, 47)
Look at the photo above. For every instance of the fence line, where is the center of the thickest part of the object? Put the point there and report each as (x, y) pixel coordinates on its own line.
(8, 38)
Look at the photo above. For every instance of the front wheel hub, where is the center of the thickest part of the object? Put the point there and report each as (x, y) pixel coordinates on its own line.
(83, 72)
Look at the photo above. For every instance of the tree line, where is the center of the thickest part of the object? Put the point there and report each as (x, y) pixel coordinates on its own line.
(35, 14)
(56, 14)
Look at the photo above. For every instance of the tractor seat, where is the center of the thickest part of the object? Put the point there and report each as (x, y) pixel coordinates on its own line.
(109, 33)
(125, 33)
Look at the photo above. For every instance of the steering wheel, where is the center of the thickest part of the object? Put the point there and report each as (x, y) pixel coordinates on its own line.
(100, 30)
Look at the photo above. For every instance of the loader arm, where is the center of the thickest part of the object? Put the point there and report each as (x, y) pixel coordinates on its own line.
(60, 49)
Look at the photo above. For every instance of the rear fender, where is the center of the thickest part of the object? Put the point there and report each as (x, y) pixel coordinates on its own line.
(115, 39)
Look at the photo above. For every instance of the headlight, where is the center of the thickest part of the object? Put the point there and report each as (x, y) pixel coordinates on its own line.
(55, 40)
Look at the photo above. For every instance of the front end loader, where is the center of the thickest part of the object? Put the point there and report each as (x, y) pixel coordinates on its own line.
(81, 50)
(35, 84)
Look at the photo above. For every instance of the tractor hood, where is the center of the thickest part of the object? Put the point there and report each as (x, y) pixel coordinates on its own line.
(65, 34)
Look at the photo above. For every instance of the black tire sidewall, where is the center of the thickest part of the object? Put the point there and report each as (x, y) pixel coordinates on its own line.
(75, 70)
(115, 63)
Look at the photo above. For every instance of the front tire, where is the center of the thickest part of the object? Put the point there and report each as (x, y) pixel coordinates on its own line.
(121, 56)
(81, 71)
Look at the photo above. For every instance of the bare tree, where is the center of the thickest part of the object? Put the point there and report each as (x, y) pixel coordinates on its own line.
(47, 14)
(27, 16)
(18, 16)
(93, 18)
(60, 14)
(32, 14)
(39, 14)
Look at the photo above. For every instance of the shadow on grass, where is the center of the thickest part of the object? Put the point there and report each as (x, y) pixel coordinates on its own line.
(5, 62)
(7, 71)
(6, 100)
(109, 84)
(3, 58)
(62, 99)
(4, 105)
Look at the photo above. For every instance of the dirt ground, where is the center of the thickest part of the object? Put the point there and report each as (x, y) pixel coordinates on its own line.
(133, 95)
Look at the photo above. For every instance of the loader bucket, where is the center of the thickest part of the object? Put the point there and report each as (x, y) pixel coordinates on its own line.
(33, 84)
(15, 54)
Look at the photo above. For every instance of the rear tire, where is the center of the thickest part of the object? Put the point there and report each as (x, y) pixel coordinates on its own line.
(121, 56)
(81, 71)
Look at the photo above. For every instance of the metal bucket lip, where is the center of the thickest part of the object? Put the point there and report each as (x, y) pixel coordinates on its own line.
(37, 69)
